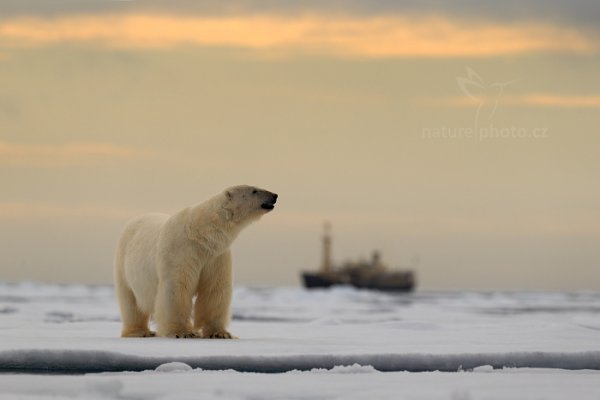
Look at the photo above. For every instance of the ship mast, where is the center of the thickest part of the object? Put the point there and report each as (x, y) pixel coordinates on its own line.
(326, 261)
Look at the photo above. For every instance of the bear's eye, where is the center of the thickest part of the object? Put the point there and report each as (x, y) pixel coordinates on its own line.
(254, 191)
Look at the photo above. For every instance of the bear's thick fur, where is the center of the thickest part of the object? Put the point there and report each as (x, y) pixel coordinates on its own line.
(162, 262)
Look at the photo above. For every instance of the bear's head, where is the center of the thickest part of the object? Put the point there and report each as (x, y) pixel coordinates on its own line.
(244, 204)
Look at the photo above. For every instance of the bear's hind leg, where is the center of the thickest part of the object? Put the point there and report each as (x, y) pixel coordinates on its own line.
(135, 322)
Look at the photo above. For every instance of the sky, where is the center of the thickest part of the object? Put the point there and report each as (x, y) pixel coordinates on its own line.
(458, 138)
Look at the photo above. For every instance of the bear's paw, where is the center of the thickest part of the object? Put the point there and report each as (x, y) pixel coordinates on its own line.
(138, 333)
(185, 335)
(219, 335)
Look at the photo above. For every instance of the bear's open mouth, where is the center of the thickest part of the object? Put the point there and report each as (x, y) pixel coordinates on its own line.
(267, 206)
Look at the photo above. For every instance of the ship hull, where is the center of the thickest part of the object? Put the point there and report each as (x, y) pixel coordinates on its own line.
(313, 280)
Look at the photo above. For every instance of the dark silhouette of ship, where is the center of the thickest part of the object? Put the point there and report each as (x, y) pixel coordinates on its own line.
(362, 274)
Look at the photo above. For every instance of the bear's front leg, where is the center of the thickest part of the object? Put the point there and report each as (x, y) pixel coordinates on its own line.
(212, 308)
(173, 310)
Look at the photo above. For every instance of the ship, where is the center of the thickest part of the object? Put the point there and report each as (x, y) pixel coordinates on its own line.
(372, 274)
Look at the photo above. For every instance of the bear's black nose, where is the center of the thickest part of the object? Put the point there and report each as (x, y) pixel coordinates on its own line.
(274, 197)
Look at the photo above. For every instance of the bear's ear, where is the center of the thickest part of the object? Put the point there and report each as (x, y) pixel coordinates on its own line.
(228, 195)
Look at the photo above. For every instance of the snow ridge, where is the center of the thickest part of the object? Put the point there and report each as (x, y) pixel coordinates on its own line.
(88, 361)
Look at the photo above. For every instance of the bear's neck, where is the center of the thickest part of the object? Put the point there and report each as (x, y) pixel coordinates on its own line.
(210, 229)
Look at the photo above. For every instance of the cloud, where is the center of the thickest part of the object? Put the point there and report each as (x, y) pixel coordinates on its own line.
(554, 100)
(527, 99)
(374, 36)
(69, 154)
(577, 13)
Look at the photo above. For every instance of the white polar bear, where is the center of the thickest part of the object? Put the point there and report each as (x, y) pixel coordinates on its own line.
(162, 262)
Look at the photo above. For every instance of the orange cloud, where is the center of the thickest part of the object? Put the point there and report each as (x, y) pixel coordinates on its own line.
(532, 99)
(346, 36)
(70, 154)
(552, 100)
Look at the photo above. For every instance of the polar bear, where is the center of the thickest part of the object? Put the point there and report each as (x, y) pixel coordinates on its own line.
(162, 262)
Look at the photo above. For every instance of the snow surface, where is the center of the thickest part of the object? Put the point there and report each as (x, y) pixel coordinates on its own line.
(323, 344)
(338, 383)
